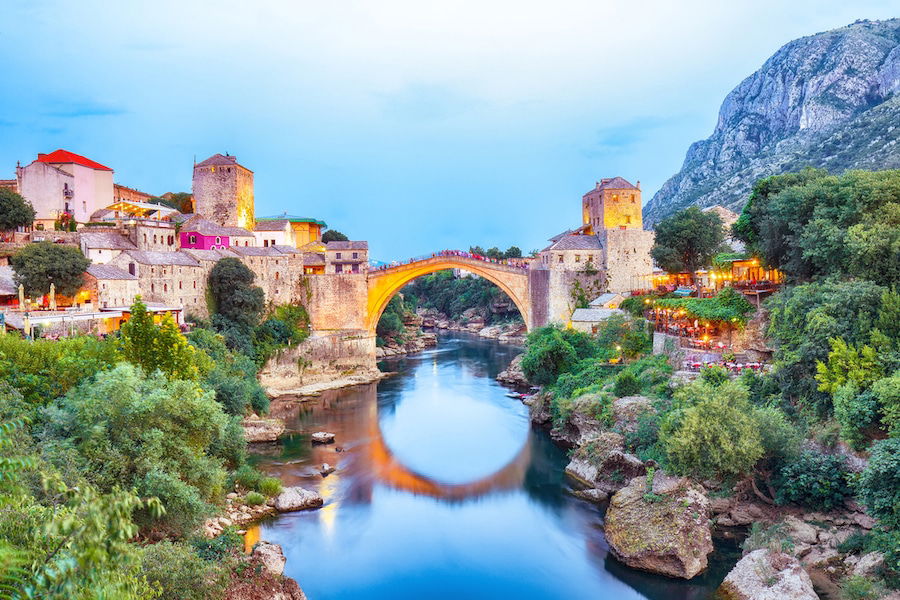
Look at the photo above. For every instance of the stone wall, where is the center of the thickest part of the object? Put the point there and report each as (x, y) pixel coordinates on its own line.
(321, 358)
(335, 301)
(627, 258)
(224, 194)
(560, 303)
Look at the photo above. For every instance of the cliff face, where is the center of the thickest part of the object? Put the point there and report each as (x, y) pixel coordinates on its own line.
(828, 100)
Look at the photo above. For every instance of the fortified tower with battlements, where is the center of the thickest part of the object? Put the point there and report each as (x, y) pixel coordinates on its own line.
(223, 191)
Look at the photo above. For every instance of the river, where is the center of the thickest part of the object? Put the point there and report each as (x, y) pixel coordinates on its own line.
(443, 490)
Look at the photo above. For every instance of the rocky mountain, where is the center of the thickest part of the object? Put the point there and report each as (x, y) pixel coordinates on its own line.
(828, 100)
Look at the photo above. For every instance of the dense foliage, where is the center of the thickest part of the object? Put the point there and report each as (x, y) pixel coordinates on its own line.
(727, 306)
(161, 347)
(452, 295)
(688, 240)
(496, 253)
(39, 264)
(333, 235)
(814, 480)
(879, 486)
(15, 211)
(813, 225)
(236, 298)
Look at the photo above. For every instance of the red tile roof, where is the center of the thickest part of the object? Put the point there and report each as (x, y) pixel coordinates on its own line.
(66, 157)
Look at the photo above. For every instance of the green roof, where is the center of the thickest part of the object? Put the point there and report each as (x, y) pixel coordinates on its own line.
(292, 219)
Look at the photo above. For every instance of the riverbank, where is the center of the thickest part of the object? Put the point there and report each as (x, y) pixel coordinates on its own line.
(808, 549)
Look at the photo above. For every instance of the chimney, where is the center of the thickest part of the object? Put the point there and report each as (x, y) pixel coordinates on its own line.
(638, 184)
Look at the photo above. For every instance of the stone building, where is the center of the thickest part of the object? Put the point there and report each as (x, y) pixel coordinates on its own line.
(223, 191)
(277, 270)
(110, 286)
(201, 233)
(170, 278)
(274, 232)
(103, 246)
(303, 230)
(610, 252)
(63, 182)
(346, 257)
(127, 194)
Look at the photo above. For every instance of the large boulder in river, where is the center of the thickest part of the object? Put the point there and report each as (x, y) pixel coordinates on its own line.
(297, 498)
(767, 575)
(662, 528)
(513, 374)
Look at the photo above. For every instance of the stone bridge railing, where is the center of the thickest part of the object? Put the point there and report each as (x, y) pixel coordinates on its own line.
(510, 265)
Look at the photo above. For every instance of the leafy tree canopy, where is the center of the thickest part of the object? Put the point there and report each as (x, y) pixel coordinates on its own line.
(813, 225)
(333, 235)
(727, 306)
(235, 296)
(688, 240)
(15, 211)
(162, 347)
(38, 265)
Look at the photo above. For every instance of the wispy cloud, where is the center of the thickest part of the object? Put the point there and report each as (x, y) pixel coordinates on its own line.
(76, 110)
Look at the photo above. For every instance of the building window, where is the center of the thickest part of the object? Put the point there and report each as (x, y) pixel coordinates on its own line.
(632, 199)
(179, 285)
(560, 258)
(356, 255)
(218, 240)
(165, 287)
(337, 255)
(145, 238)
(154, 238)
(338, 268)
(152, 287)
(356, 268)
(195, 285)
(276, 275)
(628, 219)
(131, 268)
(192, 239)
(577, 258)
(265, 243)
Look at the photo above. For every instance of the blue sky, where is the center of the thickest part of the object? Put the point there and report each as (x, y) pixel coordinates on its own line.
(416, 125)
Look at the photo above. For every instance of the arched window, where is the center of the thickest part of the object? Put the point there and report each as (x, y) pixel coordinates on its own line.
(165, 287)
(179, 285)
(152, 287)
(218, 240)
(145, 238)
(276, 275)
(195, 285)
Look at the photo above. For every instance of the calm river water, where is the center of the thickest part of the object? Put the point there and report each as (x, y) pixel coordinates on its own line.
(443, 490)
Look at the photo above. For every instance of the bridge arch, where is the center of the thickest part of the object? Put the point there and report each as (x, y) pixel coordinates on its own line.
(383, 284)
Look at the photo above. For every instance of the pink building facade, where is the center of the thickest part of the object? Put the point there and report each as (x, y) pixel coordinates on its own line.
(199, 241)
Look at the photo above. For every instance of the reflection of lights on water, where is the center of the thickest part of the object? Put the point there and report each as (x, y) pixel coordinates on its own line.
(251, 537)
(328, 513)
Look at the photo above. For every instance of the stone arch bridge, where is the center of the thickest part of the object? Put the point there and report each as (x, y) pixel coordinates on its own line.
(355, 302)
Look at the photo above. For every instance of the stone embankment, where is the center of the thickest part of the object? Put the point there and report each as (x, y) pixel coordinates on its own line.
(767, 575)
(412, 340)
(472, 321)
(602, 468)
(323, 361)
(239, 514)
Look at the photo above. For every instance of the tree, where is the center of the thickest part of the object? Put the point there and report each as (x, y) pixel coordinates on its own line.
(711, 431)
(38, 265)
(162, 347)
(879, 485)
(333, 235)
(235, 296)
(513, 252)
(688, 240)
(132, 430)
(183, 202)
(548, 355)
(15, 211)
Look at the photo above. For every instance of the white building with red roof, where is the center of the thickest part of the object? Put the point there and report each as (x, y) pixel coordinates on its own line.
(63, 182)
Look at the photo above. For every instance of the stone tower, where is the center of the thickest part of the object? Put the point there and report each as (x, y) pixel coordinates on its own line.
(612, 212)
(223, 191)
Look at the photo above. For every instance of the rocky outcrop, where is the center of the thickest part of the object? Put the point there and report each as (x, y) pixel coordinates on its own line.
(238, 514)
(627, 411)
(260, 429)
(827, 100)
(473, 320)
(270, 556)
(513, 374)
(347, 357)
(601, 463)
(662, 528)
(260, 581)
(767, 575)
(297, 498)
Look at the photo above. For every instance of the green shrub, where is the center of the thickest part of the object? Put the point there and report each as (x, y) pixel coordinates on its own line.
(879, 485)
(711, 431)
(225, 545)
(773, 537)
(248, 477)
(887, 392)
(185, 508)
(181, 574)
(856, 412)
(270, 486)
(857, 587)
(627, 384)
(814, 480)
(548, 355)
(254, 499)
(714, 375)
